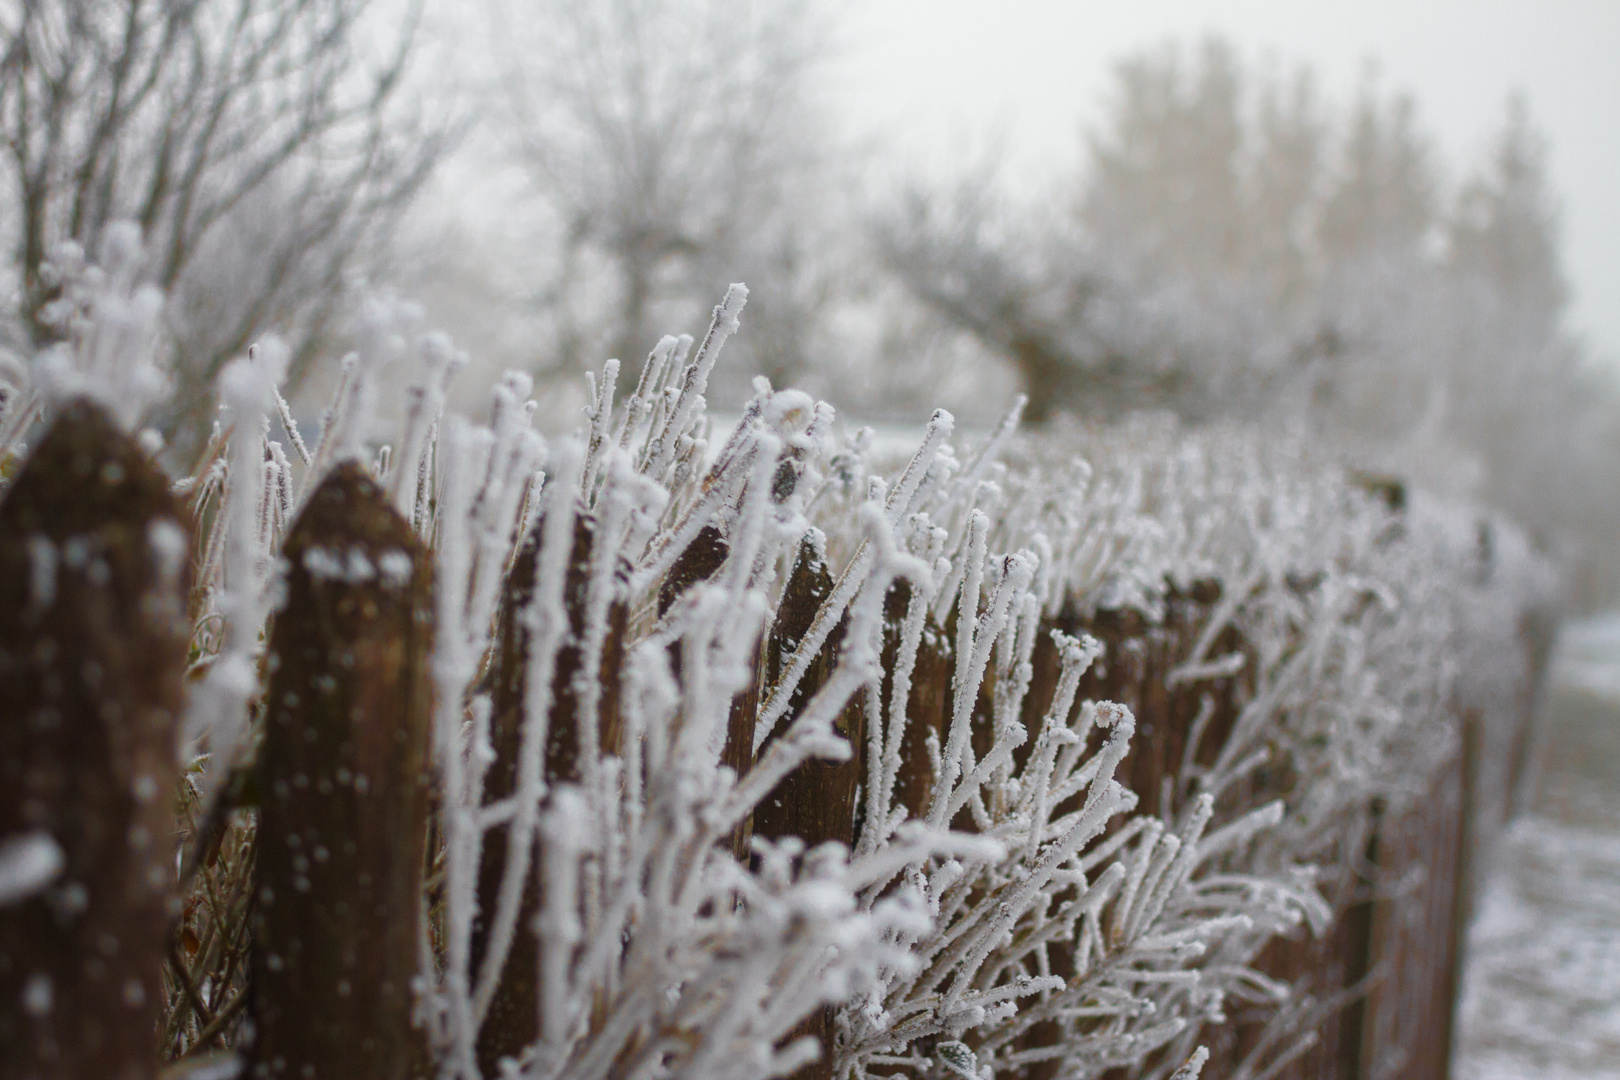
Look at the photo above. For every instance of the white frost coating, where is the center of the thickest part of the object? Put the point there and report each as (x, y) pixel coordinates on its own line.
(980, 979)
(168, 543)
(853, 577)
(386, 325)
(113, 327)
(394, 566)
(217, 708)
(675, 933)
(1194, 1066)
(662, 448)
(323, 565)
(424, 404)
(354, 567)
(217, 1066)
(358, 568)
(483, 477)
(28, 864)
(544, 620)
(38, 995)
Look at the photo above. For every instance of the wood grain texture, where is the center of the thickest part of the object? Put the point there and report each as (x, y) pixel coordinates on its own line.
(816, 802)
(513, 1019)
(344, 781)
(94, 571)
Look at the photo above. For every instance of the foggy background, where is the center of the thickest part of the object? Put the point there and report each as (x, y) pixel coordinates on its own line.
(1391, 226)
(1041, 68)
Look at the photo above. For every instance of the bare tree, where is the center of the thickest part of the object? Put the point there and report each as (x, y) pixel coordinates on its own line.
(1086, 330)
(955, 254)
(262, 146)
(1543, 418)
(676, 147)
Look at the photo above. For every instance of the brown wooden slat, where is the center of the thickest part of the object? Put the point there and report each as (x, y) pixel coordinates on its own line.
(1416, 933)
(344, 795)
(512, 1023)
(700, 561)
(1140, 655)
(816, 802)
(92, 649)
(927, 706)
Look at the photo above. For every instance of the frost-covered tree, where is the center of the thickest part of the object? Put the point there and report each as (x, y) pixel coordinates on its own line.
(1209, 171)
(1291, 131)
(1524, 396)
(674, 147)
(261, 147)
(1243, 248)
(1165, 180)
(1384, 198)
(1503, 233)
(1086, 327)
(1186, 275)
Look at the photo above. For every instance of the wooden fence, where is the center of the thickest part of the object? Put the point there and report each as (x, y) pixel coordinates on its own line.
(301, 916)
(1379, 989)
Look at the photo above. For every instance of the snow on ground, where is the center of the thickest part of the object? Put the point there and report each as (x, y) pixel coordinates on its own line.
(1541, 997)
(1543, 983)
(1589, 657)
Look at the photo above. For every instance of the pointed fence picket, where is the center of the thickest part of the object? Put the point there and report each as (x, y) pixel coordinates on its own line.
(93, 585)
(816, 802)
(343, 780)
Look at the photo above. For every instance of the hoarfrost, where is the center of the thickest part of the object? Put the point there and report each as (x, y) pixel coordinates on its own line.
(38, 995)
(28, 865)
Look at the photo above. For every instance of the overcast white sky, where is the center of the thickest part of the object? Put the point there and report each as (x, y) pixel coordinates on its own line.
(939, 78)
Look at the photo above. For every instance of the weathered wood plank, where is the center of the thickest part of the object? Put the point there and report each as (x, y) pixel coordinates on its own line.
(94, 572)
(928, 703)
(700, 561)
(512, 1023)
(344, 803)
(816, 802)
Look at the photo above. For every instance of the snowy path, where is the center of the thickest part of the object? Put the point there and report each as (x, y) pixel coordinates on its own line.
(1542, 988)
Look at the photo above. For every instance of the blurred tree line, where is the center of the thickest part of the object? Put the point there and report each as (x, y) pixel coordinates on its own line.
(1234, 244)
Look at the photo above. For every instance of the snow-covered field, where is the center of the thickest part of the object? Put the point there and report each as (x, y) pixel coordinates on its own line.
(1542, 993)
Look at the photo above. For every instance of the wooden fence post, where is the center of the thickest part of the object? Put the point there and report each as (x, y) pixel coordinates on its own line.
(929, 703)
(815, 802)
(512, 1023)
(1141, 654)
(94, 572)
(700, 561)
(344, 795)
(1418, 924)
